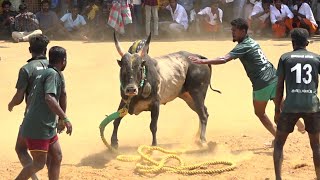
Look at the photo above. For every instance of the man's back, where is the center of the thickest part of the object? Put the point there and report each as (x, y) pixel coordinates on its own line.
(40, 121)
(29, 72)
(300, 69)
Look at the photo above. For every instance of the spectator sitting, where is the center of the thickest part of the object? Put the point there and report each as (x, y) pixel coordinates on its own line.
(303, 17)
(74, 23)
(194, 26)
(248, 7)
(49, 22)
(259, 20)
(211, 18)
(6, 18)
(25, 25)
(179, 21)
(281, 18)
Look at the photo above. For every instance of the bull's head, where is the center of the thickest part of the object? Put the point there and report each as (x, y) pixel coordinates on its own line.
(133, 70)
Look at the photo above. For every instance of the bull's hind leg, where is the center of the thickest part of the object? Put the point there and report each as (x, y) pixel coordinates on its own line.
(116, 123)
(195, 101)
(198, 100)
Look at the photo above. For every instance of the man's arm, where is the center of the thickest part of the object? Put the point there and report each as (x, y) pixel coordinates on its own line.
(63, 100)
(219, 60)
(16, 99)
(258, 14)
(54, 107)
(21, 86)
(279, 98)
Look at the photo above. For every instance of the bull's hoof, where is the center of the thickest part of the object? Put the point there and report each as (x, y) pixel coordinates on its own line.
(202, 144)
(154, 144)
(115, 145)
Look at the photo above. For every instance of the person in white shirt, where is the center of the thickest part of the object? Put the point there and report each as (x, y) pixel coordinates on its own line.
(74, 23)
(259, 20)
(248, 8)
(281, 18)
(303, 17)
(211, 17)
(179, 21)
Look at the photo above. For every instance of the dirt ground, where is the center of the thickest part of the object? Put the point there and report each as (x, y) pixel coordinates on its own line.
(92, 78)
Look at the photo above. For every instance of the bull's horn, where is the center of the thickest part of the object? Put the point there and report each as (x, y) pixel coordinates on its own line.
(146, 46)
(116, 42)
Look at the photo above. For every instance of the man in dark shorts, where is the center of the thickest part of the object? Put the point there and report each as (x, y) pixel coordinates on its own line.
(258, 68)
(39, 124)
(25, 82)
(299, 70)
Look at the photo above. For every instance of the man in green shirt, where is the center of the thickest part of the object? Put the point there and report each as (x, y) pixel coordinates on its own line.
(260, 71)
(25, 82)
(299, 69)
(40, 123)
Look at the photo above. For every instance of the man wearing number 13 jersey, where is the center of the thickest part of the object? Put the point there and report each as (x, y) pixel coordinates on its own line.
(299, 70)
(261, 72)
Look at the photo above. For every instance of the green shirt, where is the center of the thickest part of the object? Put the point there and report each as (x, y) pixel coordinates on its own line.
(40, 121)
(29, 72)
(260, 71)
(300, 68)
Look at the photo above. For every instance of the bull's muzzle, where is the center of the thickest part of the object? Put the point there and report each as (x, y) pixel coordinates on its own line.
(131, 90)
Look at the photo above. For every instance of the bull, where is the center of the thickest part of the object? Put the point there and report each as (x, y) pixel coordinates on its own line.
(147, 82)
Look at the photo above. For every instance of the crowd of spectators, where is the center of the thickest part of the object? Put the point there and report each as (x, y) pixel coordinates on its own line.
(97, 19)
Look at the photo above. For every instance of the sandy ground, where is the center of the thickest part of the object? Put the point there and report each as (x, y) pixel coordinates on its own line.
(92, 78)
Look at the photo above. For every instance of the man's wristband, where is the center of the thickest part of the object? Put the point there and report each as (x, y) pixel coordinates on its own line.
(65, 120)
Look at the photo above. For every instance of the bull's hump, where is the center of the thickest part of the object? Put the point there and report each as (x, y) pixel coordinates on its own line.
(172, 70)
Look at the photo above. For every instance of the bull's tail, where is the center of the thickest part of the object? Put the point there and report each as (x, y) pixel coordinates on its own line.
(215, 90)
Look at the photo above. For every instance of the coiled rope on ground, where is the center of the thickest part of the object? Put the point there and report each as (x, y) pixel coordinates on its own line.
(147, 165)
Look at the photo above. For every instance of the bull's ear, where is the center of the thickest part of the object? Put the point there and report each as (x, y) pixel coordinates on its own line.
(119, 62)
(116, 42)
(146, 46)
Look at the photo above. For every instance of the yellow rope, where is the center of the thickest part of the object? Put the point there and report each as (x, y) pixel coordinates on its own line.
(147, 165)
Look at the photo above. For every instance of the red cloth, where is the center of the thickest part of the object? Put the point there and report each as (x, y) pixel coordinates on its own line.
(40, 144)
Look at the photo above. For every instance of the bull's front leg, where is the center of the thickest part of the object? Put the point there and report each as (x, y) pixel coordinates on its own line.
(116, 123)
(154, 121)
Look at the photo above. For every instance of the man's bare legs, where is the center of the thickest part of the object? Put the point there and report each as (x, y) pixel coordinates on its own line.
(23, 155)
(55, 160)
(259, 110)
(299, 124)
(38, 163)
(280, 140)
(315, 146)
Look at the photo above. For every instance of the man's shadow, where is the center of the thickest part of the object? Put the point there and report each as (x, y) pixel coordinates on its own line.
(99, 160)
